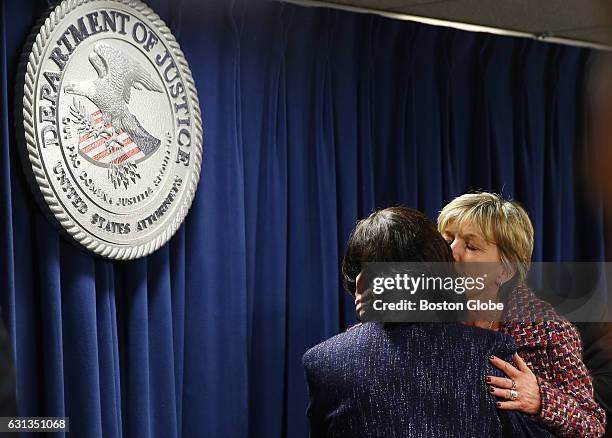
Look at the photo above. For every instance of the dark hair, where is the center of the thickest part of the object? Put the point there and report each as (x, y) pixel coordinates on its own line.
(395, 234)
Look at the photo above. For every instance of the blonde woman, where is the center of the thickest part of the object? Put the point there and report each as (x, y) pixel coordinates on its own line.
(548, 378)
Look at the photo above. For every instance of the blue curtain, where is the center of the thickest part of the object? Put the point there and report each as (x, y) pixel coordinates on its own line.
(312, 117)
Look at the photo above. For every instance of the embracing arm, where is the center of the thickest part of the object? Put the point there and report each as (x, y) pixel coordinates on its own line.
(566, 389)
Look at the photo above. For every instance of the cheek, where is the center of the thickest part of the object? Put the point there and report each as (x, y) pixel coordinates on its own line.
(476, 264)
(484, 257)
(473, 256)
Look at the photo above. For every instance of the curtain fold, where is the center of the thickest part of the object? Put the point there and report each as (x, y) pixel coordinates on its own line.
(312, 118)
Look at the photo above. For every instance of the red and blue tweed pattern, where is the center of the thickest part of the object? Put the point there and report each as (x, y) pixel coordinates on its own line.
(552, 348)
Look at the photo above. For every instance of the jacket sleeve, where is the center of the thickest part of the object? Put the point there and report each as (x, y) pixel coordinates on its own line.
(597, 356)
(568, 405)
(315, 410)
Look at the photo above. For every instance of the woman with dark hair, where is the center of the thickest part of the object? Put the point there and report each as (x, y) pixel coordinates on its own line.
(392, 243)
(389, 236)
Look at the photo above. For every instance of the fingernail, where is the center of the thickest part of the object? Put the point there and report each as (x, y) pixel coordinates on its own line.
(498, 404)
(491, 389)
(491, 357)
(488, 379)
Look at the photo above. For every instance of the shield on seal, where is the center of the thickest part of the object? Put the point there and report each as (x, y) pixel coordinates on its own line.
(105, 151)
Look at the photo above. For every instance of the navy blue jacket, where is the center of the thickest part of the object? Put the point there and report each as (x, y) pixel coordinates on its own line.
(409, 380)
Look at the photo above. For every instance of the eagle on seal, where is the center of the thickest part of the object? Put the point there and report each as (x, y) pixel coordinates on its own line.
(117, 75)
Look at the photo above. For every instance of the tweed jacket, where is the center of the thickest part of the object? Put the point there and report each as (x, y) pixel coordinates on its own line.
(410, 381)
(552, 348)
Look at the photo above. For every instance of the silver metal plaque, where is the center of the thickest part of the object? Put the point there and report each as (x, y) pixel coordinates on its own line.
(111, 125)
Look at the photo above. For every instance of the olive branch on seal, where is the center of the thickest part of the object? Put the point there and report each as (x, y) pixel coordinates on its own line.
(84, 120)
(119, 173)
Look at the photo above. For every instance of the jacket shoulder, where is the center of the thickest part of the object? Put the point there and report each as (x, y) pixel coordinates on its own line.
(490, 341)
(324, 349)
(533, 322)
(342, 344)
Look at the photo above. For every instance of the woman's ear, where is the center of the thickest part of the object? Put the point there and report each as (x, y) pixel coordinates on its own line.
(507, 272)
(360, 285)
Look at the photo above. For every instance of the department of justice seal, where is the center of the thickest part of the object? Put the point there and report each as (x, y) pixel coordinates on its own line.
(112, 126)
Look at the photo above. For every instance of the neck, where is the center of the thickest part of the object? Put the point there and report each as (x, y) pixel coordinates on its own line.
(490, 293)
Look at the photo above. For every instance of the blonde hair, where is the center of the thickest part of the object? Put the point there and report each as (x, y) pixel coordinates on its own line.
(501, 222)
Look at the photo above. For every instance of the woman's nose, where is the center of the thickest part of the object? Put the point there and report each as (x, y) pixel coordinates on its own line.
(457, 252)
